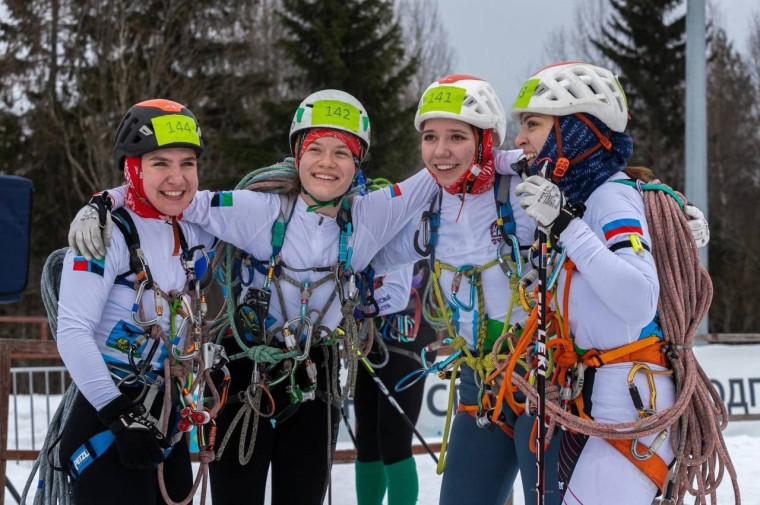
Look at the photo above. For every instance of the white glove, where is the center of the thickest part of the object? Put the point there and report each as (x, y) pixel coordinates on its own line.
(86, 236)
(700, 230)
(541, 199)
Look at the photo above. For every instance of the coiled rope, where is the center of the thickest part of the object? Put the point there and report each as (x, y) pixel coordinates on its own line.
(53, 486)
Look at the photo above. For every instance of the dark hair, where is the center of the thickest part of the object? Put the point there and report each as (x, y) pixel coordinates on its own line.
(642, 173)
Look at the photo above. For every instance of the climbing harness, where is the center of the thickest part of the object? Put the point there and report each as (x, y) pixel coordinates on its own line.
(698, 413)
(188, 368)
(279, 352)
(441, 314)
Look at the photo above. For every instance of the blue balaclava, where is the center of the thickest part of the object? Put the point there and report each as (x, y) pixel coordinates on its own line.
(590, 161)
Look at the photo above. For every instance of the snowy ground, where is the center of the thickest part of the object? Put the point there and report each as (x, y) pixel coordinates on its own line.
(742, 438)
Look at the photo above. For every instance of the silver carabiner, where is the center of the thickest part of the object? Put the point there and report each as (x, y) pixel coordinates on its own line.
(306, 326)
(515, 257)
(157, 302)
(656, 443)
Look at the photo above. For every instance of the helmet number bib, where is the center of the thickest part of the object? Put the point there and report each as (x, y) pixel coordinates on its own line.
(175, 128)
(442, 99)
(526, 93)
(336, 113)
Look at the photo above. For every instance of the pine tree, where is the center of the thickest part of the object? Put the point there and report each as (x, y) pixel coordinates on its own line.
(356, 46)
(733, 110)
(647, 41)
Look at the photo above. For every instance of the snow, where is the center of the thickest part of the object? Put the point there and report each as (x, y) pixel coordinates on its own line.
(742, 440)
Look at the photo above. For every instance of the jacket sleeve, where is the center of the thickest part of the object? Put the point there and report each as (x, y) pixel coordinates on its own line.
(238, 217)
(503, 160)
(385, 212)
(393, 295)
(85, 286)
(626, 282)
(399, 252)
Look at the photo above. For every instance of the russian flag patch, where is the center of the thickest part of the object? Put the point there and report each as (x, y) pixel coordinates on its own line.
(394, 190)
(95, 265)
(222, 199)
(622, 227)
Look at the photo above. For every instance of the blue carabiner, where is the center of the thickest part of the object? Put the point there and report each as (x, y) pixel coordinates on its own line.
(413, 377)
(558, 262)
(245, 264)
(456, 283)
(515, 256)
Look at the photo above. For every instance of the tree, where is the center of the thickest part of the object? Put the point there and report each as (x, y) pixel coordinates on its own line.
(356, 46)
(425, 36)
(70, 69)
(646, 41)
(734, 181)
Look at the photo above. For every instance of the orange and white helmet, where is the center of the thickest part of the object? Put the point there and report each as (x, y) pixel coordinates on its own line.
(572, 87)
(465, 98)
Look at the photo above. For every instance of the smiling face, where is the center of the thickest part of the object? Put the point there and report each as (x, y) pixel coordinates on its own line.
(326, 169)
(170, 179)
(534, 129)
(448, 149)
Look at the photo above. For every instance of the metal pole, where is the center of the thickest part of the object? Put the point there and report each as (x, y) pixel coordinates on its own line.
(383, 389)
(696, 116)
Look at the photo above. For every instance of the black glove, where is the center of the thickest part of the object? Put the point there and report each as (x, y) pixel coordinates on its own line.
(139, 442)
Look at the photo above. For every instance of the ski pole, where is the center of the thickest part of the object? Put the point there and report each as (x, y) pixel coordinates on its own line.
(540, 351)
(381, 385)
(348, 425)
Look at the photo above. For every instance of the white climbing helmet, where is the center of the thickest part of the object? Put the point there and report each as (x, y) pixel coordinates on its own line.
(465, 98)
(332, 108)
(569, 87)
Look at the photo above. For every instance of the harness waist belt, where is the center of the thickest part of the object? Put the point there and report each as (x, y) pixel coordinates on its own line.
(648, 350)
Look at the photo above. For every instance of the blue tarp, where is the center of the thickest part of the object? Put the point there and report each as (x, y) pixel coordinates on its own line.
(15, 228)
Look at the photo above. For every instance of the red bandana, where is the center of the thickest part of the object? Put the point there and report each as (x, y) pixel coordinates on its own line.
(136, 199)
(485, 179)
(352, 141)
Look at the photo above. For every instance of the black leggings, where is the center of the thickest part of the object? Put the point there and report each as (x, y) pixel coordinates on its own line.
(296, 446)
(381, 432)
(106, 480)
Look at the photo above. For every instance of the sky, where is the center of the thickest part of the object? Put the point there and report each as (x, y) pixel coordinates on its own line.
(503, 41)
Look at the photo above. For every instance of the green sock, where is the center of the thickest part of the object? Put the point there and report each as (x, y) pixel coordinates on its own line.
(403, 486)
(370, 482)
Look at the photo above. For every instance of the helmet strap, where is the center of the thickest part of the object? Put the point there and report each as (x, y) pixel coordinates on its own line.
(318, 204)
(474, 171)
(563, 164)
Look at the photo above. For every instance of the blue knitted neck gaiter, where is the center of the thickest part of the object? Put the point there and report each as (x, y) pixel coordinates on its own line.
(584, 176)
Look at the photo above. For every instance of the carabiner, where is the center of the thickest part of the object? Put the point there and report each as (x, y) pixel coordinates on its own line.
(305, 295)
(270, 272)
(456, 282)
(179, 354)
(412, 378)
(157, 301)
(515, 257)
(307, 326)
(247, 266)
(651, 450)
(556, 268)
